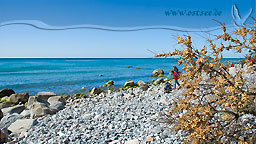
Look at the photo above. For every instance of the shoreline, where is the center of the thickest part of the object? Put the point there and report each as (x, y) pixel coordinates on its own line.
(49, 75)
(20, 108)
(83, 89)
(116, 115)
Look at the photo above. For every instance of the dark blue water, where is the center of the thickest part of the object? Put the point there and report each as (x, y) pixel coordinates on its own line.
(68, 75)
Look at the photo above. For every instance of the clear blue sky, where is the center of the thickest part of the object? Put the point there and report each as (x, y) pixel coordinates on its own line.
(25, 41)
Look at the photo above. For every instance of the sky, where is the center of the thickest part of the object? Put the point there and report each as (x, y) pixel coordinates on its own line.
(27, 41)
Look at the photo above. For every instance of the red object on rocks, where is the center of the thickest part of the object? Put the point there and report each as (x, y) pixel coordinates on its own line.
(176, 75)
(232, 65)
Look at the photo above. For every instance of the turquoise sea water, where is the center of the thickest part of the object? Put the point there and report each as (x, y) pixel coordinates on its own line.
(68, 75)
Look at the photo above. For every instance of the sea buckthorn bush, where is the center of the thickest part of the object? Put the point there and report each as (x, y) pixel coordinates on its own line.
(218, 105)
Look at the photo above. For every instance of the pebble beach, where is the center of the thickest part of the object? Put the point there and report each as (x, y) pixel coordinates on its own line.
(127, 116)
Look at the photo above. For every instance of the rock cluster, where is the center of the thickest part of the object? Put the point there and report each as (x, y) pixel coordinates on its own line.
(19, 111)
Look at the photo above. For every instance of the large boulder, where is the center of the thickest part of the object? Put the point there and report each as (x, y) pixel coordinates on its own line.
(19, 97)
(15, 109)
(39, 109)
(56, 99)
(158, 81)
(5, 105)
(57, 103)
(157, 72)
(45, 95)
(95, 91)
(57, 106)
(7, 120)
(22, 125)
(31, 101)
(109, 83)
(6, 92)
(34, 99)
(141, 83)
(129, 83)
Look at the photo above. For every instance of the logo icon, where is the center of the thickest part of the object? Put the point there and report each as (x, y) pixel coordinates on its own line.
(237, 20)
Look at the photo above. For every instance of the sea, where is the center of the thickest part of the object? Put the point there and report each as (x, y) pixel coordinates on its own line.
(69, 75)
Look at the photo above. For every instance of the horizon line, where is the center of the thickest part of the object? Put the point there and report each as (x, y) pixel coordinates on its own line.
(92, 57)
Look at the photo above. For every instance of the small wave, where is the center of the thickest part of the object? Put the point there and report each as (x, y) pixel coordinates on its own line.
(45, 72)
(80, 60)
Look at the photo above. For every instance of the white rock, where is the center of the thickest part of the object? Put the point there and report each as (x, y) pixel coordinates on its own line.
(110, 126)
(25, 113)
(34, 99)
(114, 142)
(21, 125)
(45, 95)
(39, 109)
(133, 141)
(55, 99)
(61, 134)
(97, 116)
(163, 100)
(57, 106)
(15, 109)
(128, 96)
(7, 120)
(232, 71)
